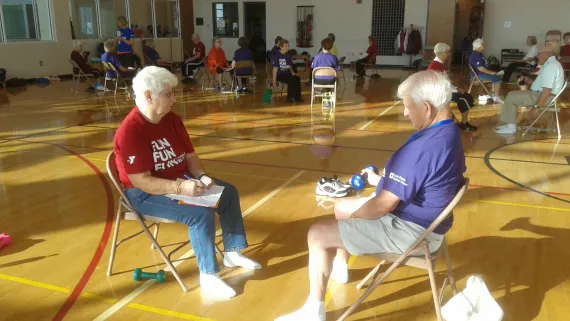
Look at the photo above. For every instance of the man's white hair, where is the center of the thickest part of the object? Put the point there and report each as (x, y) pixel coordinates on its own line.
(152, 79)
(441, 48)
(427, 86)
(77, 44)
(478, 43)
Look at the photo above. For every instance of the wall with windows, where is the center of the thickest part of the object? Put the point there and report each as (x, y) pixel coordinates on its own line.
(40, 44)
(350, 22)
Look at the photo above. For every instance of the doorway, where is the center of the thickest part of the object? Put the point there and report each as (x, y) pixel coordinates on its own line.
(255, 28)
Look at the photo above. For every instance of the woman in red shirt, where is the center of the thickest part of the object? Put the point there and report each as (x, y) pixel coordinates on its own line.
(371, 54)
(217, 62)
(565, 52)
(154, 154)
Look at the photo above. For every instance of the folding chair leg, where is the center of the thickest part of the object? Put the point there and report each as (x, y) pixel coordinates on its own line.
(114, 244)
(155, 235)
(470, 87)
(557, 121)
(432, 283)
(537, 118)
(163, 255)
(449, 267)
(116, 86)
(373, 274)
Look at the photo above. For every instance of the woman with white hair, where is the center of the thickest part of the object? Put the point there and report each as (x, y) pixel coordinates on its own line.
(529, 58)
(154, 154)
(463, 100)
(479, 65)
(80, 58)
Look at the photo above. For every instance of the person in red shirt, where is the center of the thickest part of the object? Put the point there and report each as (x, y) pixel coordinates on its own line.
(463, 100)
(154, 154)
(80, 58)
(565, 52)
(196, 61)
(217, 61)
(371, 54)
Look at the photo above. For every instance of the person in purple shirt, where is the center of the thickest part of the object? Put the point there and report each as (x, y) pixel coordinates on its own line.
(242, 54)
(417, 183)
(479, 64)
(283, 72)
(325, 59)
(110, 56)
(275, 50)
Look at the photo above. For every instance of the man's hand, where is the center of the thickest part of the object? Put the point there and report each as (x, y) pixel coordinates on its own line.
(373, 178)
(208, 181)
(293, 73)
(192, 188)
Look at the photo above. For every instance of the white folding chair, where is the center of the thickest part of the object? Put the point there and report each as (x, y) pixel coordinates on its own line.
(244, 64)
(413, 257)
(110, 69)
(325, 89)
(474, 78)
(78, 74)
(552, 107)
(126, 211)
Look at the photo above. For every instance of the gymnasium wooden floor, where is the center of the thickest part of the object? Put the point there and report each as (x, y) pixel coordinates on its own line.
(512, 227)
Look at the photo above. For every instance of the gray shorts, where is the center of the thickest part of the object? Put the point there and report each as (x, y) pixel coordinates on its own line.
(388, 234)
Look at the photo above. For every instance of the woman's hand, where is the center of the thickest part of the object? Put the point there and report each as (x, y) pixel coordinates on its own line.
(373, 178)
(192, 188)
(208, 181)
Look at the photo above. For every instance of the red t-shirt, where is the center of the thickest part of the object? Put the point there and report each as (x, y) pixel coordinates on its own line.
(437, 66)
(199, 48)
(372, 52)
(141, 146)
(565, 52)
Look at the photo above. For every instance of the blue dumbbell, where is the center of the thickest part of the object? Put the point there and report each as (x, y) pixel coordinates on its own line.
(358, 181)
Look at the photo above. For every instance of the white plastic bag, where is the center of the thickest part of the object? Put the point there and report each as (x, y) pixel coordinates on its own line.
(475, 303)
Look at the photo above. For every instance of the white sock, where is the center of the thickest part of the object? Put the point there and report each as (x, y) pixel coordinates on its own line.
(311, 311)
(339, 271)
(511, 126)
(213, 285)
(233, 259)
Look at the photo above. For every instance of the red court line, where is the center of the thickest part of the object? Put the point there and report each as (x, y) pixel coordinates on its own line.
(102, 242)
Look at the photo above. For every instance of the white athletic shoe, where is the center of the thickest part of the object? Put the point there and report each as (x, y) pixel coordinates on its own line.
(330, 187)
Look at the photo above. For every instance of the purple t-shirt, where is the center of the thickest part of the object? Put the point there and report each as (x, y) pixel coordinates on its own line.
(325, 60)
(425, 174)
(113, 60)
(283, 62)
(243, 54)
(477, 60)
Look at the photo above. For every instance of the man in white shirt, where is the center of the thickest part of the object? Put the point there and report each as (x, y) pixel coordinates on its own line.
(530, 58)
(548, 84)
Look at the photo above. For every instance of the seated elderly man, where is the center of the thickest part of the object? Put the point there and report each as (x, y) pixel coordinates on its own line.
(463, 100)
(152, 55)
(153, 153)
(417, 183)
(547, 84)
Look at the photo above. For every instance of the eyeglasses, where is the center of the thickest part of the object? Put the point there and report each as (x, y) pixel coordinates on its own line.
(544, 52)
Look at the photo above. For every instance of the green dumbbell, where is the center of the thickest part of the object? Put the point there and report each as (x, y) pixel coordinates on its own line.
(139, 275)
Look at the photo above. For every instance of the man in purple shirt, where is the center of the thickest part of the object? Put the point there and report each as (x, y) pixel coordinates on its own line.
(418, 182)
(325, 59)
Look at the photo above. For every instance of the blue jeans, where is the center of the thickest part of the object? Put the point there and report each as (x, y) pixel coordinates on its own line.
(200, 222)
(488, 77)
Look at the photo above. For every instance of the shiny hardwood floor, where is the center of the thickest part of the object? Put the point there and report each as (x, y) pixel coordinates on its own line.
(512, 227)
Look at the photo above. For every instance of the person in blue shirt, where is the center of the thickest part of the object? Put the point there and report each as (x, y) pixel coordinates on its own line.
(125, 41)
(418, 182)
(152, 56)
(479, 64)
(110, 56)
(275, 50)
(283, 72)
(243, 54)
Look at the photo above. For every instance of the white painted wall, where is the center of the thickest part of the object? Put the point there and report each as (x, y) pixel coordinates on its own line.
(531, 18)
(22, 59)
(350, 22)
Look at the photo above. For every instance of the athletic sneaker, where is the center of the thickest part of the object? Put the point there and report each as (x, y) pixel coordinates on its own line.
(346, 185)
(330, 187)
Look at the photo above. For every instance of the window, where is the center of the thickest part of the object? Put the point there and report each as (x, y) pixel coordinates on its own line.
(166, 17)
(225, 19)
(387, 21)
(109, 10)
(26, 20)
(141, 18)
(83, 14)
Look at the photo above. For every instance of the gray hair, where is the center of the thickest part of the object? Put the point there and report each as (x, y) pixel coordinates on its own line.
(152, 79)
(109, 45)
(214, 40)
(77, 44)
(478, 43)
(441, 48)
(427, 86)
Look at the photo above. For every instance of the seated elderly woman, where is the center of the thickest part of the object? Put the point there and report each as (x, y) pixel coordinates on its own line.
(217, 61)
(151, 54)
(530, 58)
(283, 71)
(110, 56)
(153, 153)
(80, 58)
(479, 65)
(243, 54)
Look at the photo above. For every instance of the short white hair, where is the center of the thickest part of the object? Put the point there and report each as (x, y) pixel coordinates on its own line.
(441, 48)
(77, 44)
(478, 43)
(427, 86)
(152, 79)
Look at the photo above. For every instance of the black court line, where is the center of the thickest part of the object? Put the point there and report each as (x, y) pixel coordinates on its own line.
(491, 168)
(347, 147)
